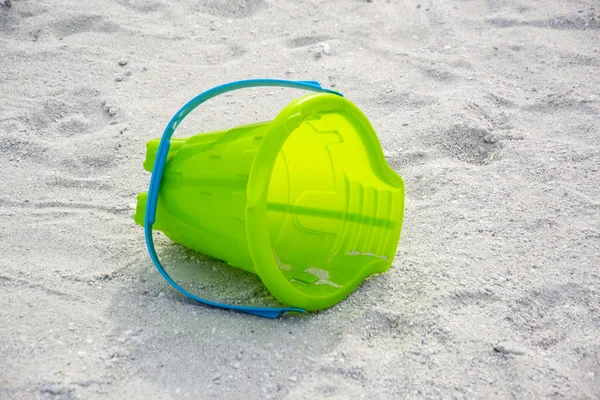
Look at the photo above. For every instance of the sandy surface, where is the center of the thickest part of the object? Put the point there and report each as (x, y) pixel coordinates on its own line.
(488, 109)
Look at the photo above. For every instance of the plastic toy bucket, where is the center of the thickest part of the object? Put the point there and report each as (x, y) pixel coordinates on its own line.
(306, 201)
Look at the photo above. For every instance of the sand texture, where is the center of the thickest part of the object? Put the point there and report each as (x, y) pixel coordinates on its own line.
(489, 110)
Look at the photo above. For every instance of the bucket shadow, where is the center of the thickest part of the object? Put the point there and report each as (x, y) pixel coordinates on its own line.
(214, 279)
(166, 343)
(161, 339)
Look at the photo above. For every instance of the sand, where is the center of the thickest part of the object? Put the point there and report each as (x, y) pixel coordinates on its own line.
(490, 110)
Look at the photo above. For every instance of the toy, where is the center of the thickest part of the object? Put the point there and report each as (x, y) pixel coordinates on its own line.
(306, 201)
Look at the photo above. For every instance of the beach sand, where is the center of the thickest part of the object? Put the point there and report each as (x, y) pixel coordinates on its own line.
(489, 110)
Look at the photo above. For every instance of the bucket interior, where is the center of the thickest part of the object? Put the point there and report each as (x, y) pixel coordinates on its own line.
(331, 217)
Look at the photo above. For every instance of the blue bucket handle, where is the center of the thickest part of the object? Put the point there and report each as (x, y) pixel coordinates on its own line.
(159, 165)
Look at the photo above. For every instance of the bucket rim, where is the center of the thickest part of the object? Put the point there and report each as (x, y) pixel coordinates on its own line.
(257, 231)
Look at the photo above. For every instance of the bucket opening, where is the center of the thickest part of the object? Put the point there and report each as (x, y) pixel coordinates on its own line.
(332, 219)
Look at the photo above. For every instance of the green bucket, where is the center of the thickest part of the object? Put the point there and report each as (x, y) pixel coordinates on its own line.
(306, 201)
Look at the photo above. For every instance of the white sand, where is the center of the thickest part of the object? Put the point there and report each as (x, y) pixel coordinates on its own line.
(488, 109)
